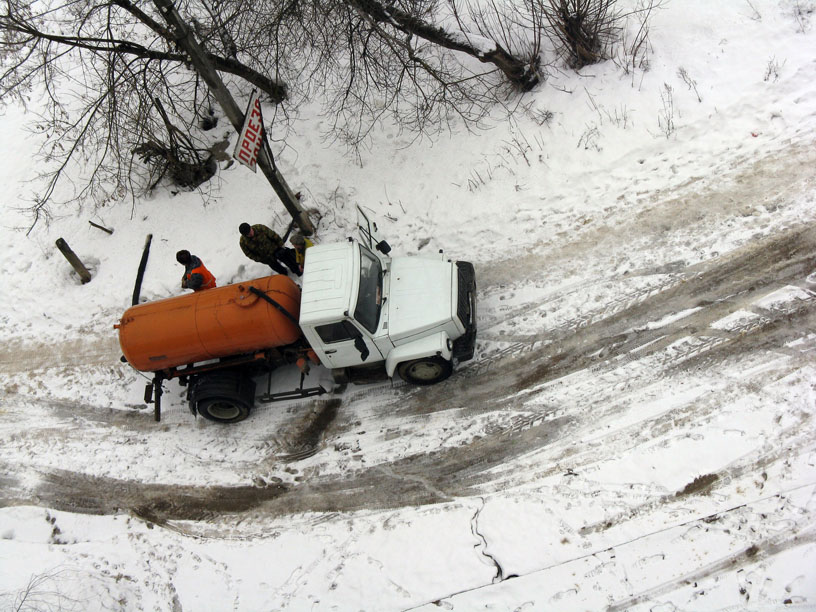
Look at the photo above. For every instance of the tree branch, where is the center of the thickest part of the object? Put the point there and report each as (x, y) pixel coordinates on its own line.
(517, 71)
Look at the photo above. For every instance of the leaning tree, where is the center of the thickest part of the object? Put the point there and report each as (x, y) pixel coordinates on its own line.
(109, 89)
(116, 94)
(420, 62)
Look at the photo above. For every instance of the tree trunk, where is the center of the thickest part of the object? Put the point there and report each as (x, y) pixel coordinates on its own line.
(274, 89)
(198, 57)
(517, 71)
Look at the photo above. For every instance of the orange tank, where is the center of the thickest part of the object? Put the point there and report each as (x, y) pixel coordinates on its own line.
(209, 324)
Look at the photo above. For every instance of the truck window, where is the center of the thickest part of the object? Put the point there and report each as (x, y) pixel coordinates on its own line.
(337, 332)
(369, 298)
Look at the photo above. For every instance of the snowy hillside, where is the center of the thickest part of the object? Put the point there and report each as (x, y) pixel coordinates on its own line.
(636, 431)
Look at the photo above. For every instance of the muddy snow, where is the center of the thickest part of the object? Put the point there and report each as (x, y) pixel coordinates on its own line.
(636, 431)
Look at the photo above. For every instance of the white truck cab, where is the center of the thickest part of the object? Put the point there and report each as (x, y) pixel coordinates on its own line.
(361, 308)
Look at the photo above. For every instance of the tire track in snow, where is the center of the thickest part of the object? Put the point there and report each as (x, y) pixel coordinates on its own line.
(762, 543)
(751, 186)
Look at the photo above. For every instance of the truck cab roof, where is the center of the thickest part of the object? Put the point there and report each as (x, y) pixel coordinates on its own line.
(329, 282)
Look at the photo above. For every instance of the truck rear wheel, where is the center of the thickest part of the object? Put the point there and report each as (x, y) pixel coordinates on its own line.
(425, 371)
(223, 397)
(223, 410)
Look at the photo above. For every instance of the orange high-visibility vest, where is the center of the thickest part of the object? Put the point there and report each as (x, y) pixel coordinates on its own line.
(209, 279)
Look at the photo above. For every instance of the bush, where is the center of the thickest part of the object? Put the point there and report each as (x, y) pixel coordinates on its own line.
(584, 29)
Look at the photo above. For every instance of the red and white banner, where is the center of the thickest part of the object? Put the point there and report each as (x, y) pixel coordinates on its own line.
(251, 138)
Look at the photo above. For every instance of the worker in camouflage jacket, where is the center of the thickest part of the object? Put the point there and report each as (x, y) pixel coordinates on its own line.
(262, 244)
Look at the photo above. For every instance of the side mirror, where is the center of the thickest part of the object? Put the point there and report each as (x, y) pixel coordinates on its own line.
(383, 247)
(360, 345)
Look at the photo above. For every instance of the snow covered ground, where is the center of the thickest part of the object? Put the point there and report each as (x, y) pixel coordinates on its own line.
(636, 431)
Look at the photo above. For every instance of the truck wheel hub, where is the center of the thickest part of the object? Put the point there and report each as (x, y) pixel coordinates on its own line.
(425, 370)
(223, 410)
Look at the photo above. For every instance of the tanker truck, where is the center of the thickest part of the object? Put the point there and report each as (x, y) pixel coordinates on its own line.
(361, 313)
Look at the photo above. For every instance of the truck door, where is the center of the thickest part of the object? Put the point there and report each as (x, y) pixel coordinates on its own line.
(369, 234)
(344, 345)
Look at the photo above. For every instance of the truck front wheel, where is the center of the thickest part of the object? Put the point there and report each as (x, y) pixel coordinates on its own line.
(425, 371)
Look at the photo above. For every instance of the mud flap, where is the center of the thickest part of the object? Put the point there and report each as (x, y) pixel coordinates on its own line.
(152, 395)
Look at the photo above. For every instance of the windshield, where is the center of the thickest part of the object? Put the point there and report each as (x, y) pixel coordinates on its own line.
(369, 299)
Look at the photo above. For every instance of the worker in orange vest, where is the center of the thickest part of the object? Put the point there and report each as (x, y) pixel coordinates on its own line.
(196, 276)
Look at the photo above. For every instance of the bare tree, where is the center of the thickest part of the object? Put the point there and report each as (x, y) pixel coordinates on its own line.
(522, 73)
(420, 62)
(584, 28)
(96, 71)
(587, 30)
(516, 27)
(105, 66)
(99, 70)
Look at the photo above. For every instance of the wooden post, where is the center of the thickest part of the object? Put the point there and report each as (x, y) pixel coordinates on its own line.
(198, 58)
(80, 268)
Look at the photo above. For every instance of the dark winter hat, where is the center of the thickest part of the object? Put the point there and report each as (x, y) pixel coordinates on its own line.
(183, 257)
(244, 228)
(297, 240)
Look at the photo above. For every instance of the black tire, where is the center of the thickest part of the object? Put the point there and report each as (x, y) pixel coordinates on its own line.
(425, 371)
(223, 397)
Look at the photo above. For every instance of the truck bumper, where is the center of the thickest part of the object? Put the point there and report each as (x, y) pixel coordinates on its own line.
(464, 347)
